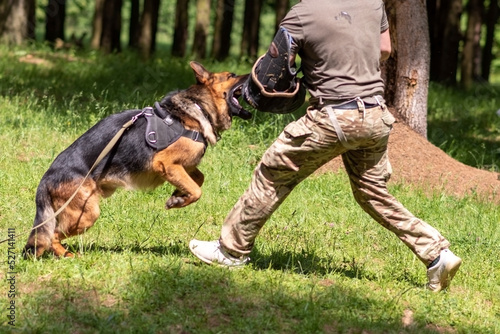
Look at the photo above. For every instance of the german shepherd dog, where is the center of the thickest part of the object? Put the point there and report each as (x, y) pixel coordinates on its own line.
(205, 108)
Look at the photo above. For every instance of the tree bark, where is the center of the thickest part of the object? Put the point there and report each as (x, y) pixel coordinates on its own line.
(180, 28)
(202, 26)
(15, 19)
(31, 19)
(134, 27)
(149, 25)
(222, 29)
(251, 26)
(111, 28)
(97, 25)
(445, 36)
(55, 15)
(407, 72)
(281, 10)
(491, 21)
(471, 53)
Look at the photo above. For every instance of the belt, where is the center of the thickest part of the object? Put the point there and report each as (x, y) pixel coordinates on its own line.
(350, 105)
(347, 105)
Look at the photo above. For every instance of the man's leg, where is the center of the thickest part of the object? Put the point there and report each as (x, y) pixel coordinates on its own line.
(301, 149)
(368, 171)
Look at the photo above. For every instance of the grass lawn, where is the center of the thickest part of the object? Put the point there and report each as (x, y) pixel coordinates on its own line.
(320, 264)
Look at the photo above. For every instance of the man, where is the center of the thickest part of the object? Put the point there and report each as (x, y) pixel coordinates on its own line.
(340, 44)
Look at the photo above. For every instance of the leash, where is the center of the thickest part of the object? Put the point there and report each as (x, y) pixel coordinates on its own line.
(101, 156)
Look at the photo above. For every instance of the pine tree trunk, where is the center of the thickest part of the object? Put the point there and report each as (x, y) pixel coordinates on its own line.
(15, 16)
(222, 29)
(149, 24)
(491, 21)
(97, 25)
(31, 19)
(55, 15)
(180, 28)
(471, 52)
(201, 28)
(444, 27)
(251, 26)
(281, 10)
(134, 28)
(111, 28)
(407, 72)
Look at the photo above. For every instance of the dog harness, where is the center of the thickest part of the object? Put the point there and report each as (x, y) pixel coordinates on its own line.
(163, 129)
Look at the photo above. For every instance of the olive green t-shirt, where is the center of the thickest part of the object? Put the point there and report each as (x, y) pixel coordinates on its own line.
(338, 42)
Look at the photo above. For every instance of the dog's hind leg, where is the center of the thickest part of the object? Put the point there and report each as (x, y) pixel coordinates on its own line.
(79, 216)
(40, 238)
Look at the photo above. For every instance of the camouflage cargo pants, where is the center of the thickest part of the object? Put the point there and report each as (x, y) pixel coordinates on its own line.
(307, 144)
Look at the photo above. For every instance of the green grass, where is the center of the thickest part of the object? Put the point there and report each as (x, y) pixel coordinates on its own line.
(320, 264)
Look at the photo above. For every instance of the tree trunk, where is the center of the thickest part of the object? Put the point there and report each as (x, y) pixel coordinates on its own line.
(31, 19)
(281, 10)
(149, 24)
(407, 72)
(180, 28)
(97, 25)
(202, 26)
(111, 27)
(134, 28)
(471, 52)
(445, 36)
(251, 26)
(55, 15)
(491, 21)
(15, 19)
(222, 29)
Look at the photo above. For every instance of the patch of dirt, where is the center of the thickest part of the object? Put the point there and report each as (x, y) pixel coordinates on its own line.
(417, 162)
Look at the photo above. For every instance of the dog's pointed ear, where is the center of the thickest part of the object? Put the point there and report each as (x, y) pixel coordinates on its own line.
(200, 72)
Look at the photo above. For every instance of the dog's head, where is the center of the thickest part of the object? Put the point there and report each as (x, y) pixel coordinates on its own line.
(219, 95)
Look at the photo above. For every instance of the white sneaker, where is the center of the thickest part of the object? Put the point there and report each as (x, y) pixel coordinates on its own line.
(211, 252)
(441, 274)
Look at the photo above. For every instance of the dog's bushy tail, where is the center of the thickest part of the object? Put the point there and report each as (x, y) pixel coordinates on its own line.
(40, 238)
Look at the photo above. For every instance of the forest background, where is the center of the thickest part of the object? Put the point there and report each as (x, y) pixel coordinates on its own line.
(446, 41)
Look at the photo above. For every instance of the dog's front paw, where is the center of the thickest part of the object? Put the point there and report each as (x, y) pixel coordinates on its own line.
(175, 202)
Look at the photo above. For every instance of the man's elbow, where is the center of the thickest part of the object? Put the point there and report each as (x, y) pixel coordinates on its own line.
(385, 54)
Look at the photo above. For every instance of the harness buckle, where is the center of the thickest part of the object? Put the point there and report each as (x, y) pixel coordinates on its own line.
(195, 135)
(152, 138)
(168, 120)
(146, 112)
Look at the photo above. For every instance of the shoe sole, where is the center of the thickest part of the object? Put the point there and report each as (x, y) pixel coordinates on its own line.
(452, 269)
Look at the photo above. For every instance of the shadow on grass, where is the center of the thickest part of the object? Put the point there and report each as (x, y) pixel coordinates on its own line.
(288, 261)
(307, 263)
(178, 298)
(285, 261)
(111, 78)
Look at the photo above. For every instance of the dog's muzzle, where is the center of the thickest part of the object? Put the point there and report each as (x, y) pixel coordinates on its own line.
(236, 108)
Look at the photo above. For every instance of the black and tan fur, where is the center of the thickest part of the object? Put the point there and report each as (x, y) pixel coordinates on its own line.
(206, 107)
